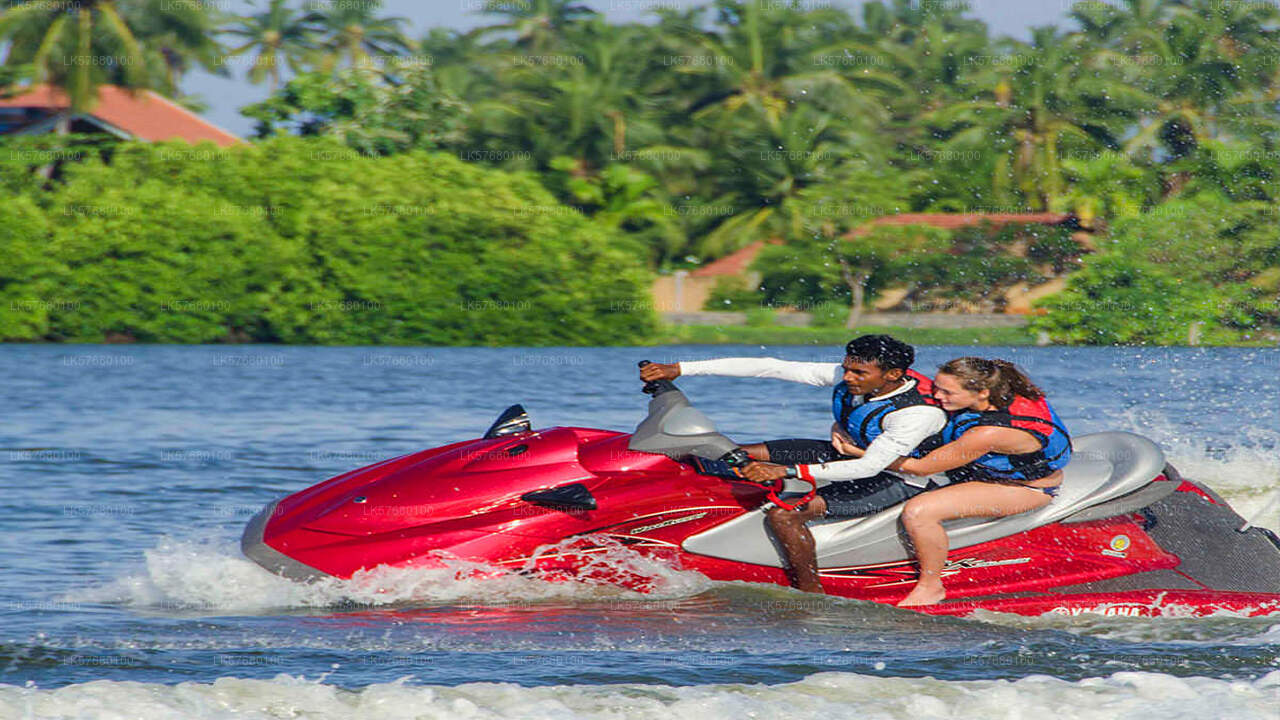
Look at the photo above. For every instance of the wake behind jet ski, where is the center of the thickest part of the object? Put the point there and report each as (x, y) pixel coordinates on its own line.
(1125, 535)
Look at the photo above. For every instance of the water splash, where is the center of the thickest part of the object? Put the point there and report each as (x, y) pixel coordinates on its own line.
(1244, 470)
(194, 574)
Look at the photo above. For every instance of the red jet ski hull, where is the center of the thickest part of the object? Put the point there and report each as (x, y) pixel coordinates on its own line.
(550, 502)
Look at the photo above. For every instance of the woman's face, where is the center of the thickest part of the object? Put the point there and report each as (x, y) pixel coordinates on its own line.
(954, 396)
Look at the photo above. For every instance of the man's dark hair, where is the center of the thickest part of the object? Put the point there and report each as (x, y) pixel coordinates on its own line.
(883, 350)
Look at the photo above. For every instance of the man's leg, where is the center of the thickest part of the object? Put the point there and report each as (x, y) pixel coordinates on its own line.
(788, 527)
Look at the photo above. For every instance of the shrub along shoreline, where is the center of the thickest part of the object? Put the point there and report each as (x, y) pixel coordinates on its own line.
(304, 241)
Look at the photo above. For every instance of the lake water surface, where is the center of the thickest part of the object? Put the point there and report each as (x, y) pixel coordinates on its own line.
(129, 472)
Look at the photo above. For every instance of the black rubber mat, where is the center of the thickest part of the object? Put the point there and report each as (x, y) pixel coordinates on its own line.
(1205, 537)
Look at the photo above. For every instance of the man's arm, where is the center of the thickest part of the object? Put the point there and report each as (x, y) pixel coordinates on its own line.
(809, 373)
(904, 430)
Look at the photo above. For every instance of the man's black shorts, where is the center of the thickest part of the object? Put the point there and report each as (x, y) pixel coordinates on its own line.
(852, 498)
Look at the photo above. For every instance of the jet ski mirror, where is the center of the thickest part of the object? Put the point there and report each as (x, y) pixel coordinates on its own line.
(513, 421)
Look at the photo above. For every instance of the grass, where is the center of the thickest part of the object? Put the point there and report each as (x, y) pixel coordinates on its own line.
(747, 335)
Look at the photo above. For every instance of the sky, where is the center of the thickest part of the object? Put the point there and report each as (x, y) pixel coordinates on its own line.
(225, 96)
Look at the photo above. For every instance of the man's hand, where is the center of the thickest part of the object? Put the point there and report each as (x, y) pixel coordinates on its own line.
(764, 473)
(659, 371)
(843, 443)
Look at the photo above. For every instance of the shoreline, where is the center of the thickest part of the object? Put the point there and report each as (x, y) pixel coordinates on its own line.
(730, 335)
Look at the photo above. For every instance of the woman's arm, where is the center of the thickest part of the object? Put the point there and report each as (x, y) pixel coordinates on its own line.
(957, 453)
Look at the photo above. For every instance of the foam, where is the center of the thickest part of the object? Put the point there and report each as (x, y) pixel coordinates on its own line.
(213, 575)
(821, 697)
(1245, 471)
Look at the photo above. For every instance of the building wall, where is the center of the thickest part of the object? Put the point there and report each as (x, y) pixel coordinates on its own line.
(681, 293)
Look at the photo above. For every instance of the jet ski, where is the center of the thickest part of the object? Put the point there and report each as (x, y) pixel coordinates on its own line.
(1126, 535)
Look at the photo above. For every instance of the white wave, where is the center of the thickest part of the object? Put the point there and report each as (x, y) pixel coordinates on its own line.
(1246, 473)
(822, 696)
(213, 575)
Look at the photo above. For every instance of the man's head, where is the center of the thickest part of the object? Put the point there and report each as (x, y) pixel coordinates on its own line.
(874, 363)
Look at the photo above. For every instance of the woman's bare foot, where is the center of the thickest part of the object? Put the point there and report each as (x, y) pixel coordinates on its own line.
(924, 594)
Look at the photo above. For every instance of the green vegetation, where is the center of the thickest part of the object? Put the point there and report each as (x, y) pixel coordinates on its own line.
(834, 336)
(305, 241)
(1202, 260)
(680, 140)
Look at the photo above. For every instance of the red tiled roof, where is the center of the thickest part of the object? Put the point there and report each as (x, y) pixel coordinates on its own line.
(956, 220)
(143, 114)
(735, 263)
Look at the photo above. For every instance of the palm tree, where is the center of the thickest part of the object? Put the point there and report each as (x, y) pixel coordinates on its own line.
(62, 45)
(1197, 72)
(277, 34)
(768, 163)
(771, 116)
(176, 35)
(1108, 186)
(536, 24)
(935, 53)
(766, 56)
(1128, 24)
(587, 107)
(353, 30)
(1036, 108)
(461, 65)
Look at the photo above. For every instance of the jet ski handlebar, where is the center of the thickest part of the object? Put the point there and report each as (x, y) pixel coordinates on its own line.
(676, 429)
(656, 387)
(727, 469)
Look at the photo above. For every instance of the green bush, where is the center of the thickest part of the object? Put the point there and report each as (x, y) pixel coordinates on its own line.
(26, 295)
(1197, 260)
(304, 241)
(829, 314)
(1121, 300)
(730, 293)
(761, 317)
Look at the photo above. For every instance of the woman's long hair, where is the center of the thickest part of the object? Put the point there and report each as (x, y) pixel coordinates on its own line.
(1002, 378)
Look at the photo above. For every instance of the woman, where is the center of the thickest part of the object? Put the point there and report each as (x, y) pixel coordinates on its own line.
(1004, 452)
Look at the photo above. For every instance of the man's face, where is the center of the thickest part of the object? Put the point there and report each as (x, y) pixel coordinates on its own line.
(864, 378)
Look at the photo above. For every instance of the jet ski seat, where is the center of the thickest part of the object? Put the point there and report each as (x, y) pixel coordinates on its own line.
(1103, 466)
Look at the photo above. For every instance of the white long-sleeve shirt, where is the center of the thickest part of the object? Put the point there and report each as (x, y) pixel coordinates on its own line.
(903, 430)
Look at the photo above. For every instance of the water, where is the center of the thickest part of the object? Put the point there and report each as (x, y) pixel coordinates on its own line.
(130, 471)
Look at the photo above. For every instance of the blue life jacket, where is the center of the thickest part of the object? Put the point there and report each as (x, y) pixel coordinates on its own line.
(1034, 416)
(865, 421)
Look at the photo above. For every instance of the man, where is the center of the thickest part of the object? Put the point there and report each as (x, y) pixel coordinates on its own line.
(882, 413)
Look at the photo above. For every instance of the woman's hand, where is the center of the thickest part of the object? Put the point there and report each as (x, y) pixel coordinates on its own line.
(843, 443)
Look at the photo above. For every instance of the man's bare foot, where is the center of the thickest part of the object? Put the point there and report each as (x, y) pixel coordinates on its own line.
(924, 594)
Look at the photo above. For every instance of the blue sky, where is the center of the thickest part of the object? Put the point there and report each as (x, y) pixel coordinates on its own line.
(225, 96)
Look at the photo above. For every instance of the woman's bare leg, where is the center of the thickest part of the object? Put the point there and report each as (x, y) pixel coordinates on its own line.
(923, 515)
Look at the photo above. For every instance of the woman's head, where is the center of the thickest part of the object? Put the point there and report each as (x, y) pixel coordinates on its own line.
(973, 382)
